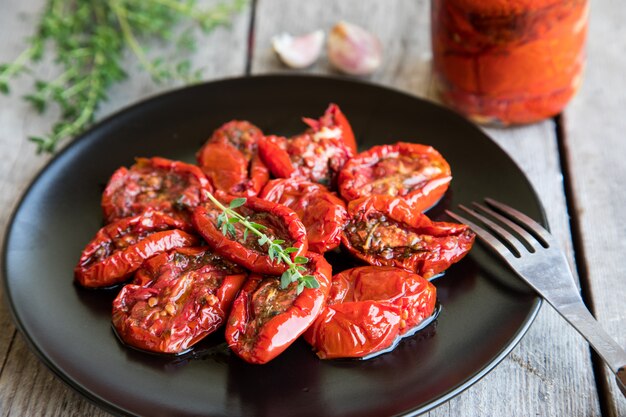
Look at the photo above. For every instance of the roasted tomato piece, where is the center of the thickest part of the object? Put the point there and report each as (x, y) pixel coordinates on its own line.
(385, 230)
(172, 187)
(177, 298)
(417, 173)
(279, 222)
(334, 117)
(368, 309)
(120, 248)
(322, 213)
(266, 319)
(231, 161)
(316, 155)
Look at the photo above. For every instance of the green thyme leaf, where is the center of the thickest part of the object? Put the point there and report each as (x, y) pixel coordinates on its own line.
(301, 260)
(237, 202)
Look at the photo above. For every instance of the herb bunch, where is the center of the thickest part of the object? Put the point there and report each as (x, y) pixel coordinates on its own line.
(294, 273)
(90, 38)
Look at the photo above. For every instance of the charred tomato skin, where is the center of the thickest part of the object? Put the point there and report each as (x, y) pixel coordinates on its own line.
(368, 309)
(173, 187)
(383, 170)
(231, 161)
(316, 155)
(322, 212)
(265, 319)
(119, 248)
(284, 220)
(188, 297)
(424, 246)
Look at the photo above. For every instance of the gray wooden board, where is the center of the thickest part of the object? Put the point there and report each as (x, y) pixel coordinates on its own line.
(595, 125)
(549, 373)
(27, 387)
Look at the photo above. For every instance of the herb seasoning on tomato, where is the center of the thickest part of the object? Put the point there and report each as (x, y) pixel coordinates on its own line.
(322, 213)
(316, 155)
(417, 173)
(228, 237)
(231, 161)
(385, 230)
(266, 318)
(368, 309)
(172, 187)
(177, 299)
(119, 248)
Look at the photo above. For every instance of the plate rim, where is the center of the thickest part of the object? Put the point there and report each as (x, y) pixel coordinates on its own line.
(132, 107)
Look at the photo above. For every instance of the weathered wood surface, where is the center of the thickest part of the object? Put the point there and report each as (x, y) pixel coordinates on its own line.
(548, 374)
(595, 126)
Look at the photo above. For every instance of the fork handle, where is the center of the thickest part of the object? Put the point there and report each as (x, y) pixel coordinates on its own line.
(608, 349)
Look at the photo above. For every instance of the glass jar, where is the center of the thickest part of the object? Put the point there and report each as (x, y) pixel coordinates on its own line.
(508, 61)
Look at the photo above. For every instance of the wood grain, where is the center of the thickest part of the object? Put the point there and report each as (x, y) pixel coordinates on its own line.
(549, 373)
(595, 126)
(27, 387)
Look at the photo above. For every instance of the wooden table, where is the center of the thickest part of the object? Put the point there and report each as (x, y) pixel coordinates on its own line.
(575, 162)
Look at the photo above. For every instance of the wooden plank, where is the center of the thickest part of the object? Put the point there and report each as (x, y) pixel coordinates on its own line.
(595, 126)
(28, 388)
(549, 373)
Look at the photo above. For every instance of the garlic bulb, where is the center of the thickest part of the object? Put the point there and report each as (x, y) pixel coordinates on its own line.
(353, 50)
(301, 51)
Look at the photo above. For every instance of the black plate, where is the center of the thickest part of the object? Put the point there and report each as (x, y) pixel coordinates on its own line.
(485, 312)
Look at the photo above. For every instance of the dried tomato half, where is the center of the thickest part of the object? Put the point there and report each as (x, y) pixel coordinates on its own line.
(231, 161)
(172, 187)
(316, 155)
(244, 248)
(177, 299)
(266, 319)
(385, 230)
(368, 309)
(322, 213)
(334, 117)
(417, 173)
(119, 248)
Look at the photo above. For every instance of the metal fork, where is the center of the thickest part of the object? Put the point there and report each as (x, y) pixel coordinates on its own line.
(533, 253)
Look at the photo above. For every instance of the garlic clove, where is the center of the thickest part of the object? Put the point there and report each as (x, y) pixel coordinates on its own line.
(300, 51)
(353, 50)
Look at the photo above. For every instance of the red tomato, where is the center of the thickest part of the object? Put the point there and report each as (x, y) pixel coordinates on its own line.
(279, 221)
(385, 230)
(231, 161)
(322, 213)
(119, 248)
(178, 298)
(172, 187)
(266, 319)
(316, 155)
(368, 309)
(417, 173)
(334, 117)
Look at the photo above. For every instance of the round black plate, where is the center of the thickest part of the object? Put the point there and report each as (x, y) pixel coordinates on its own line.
(484, 311)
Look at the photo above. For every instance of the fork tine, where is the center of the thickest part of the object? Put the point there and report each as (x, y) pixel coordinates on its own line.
(484, 235)
(524, 236)
(540, 232)
(498, 230)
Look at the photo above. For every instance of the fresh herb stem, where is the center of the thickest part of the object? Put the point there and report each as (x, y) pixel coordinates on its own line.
(90, 38)
(275, 250)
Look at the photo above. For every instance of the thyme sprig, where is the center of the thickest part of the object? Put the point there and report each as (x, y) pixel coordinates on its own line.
(90, 38)
(296, 267)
